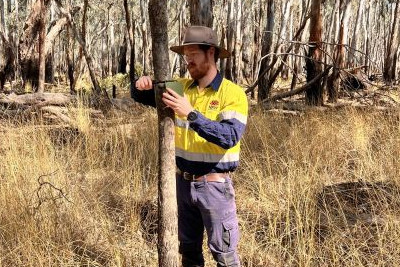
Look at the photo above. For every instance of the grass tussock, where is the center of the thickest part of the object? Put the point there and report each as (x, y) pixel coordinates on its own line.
(320, 189)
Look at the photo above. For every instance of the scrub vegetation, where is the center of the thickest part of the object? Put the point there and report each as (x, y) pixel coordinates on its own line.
(319, 188)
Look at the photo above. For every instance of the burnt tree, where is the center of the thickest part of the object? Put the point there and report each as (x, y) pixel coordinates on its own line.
(314, 95)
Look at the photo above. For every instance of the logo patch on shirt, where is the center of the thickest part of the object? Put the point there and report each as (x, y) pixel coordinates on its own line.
(214, 105)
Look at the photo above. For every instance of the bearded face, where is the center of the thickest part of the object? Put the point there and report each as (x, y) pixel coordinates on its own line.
(198, 61)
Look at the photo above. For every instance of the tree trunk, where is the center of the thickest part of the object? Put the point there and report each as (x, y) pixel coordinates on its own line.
(314, 95)
(3, 18)
(230, 34)
(334, 81)
(263, 88)
(389, 69)
(182, 24)
(122, 56)
(356, 33)
(130, 26)
(201, 12)
(283, 33)
(42, 40)
(145, 42)
(167, 206)
(237, 52)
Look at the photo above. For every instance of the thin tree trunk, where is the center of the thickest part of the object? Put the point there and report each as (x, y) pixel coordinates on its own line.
(145, 42)
(130, 26)
(167, 206)
(314, 95)
(182, 24)
(356, 33)
(334, 81)
(42, 41)
(263, 88)
(238, 42)
(230, 34)
(283, 34)
(389, 70)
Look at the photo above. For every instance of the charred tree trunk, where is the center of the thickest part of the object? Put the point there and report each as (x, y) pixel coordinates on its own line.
(123, 49)
(167, 206)
(314, 95)
(201, 12)
(8, 63)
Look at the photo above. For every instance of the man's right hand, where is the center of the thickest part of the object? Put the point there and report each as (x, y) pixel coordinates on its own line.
(144, 83)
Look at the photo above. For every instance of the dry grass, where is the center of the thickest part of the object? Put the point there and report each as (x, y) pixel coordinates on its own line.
(88, 197)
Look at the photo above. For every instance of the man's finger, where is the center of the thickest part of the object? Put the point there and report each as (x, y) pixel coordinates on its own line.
(172, 92)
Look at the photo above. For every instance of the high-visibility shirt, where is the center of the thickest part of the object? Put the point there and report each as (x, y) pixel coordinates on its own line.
(211, 142)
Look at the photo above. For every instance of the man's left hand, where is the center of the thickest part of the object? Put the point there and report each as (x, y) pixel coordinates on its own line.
(178, 103)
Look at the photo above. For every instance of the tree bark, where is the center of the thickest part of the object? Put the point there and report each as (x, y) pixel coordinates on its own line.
(356, 33)
(314, 95)
(42, 40)
(334, 81)
(130, 25)
(263, 88)
(230, 34)
(201, 12)
(389, 69)
(167, 206)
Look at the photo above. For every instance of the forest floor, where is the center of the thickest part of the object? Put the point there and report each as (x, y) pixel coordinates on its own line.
(316, 186)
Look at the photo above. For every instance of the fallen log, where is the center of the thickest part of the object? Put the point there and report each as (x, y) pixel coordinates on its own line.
(299, 90)
(36, 99)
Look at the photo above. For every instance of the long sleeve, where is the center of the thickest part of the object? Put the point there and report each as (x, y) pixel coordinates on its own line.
(146, 97)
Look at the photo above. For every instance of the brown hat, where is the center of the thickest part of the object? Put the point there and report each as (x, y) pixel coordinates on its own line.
(201, 35)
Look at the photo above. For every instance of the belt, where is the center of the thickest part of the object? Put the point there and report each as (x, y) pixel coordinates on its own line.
(219, 177)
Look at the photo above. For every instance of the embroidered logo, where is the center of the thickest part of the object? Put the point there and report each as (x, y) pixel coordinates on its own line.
(213, 105)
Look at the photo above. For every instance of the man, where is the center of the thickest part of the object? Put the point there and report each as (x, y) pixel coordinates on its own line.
(210, 120)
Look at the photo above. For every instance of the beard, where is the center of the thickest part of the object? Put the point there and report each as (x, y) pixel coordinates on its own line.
(198, 71)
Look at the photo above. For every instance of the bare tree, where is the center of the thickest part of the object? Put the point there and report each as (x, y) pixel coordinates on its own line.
(314, 95)
(389, 69)
(167, 206)
(42, 40)
(130, 25)
(263, 88)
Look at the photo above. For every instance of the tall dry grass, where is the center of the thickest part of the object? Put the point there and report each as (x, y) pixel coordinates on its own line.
(87, 197)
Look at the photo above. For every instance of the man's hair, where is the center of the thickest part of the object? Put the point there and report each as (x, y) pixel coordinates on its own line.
(205, 48)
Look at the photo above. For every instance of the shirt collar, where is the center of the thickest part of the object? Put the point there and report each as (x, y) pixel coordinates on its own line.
(216, 82)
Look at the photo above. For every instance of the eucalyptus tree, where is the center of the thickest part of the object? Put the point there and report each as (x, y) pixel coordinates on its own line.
(314, 95)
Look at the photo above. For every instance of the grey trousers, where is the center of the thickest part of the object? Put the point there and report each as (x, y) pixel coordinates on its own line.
(211, 206)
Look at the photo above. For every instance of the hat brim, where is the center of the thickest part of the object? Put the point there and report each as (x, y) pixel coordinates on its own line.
(223, 53)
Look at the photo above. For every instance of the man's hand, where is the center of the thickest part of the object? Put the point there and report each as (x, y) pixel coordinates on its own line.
(178, 103)
(144, 83)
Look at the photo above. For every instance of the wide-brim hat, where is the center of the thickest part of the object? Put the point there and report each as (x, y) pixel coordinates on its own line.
(202, 36)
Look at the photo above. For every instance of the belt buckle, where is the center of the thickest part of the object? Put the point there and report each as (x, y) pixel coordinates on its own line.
(188, 177)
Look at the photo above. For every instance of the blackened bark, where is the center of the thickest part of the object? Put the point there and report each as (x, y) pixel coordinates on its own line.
(167, 207)
(314, 95)
(122, 56)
